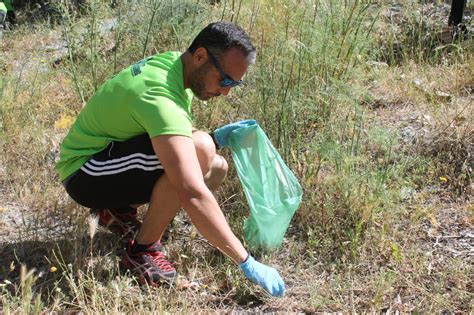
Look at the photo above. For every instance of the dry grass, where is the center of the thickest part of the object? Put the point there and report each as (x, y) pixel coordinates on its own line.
(384, 154)
(433, 111)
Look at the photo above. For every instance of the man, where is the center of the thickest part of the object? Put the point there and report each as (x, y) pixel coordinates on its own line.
(455, 27)
(3, 15)
(455, 16)
(133, 143)
(10, 13)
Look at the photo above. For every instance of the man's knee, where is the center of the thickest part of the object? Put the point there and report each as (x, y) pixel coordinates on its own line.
(217, 173)
(213, 166)
(205, 150)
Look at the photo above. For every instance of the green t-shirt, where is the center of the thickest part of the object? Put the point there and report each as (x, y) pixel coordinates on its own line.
(147, 97)
(3, 8)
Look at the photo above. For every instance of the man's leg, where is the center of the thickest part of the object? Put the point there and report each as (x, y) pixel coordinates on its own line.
(122, 174)
(143, 255)
(455, 16)
(164, 202)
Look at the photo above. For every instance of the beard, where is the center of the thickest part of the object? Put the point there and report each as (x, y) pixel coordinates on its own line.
(197, 82)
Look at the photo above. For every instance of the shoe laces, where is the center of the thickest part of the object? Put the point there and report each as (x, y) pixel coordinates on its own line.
(160, 260)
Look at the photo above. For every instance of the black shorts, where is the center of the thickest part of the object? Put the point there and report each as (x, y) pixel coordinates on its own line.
(122, 174)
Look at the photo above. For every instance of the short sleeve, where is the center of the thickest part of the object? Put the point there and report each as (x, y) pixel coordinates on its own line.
(159, 115)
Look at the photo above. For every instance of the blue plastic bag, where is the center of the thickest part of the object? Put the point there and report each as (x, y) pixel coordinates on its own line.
(272, 190)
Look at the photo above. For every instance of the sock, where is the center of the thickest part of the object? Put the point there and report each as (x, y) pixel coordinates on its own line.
(138, 248)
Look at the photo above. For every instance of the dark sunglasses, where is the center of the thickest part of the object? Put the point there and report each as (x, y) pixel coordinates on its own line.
(226, 81)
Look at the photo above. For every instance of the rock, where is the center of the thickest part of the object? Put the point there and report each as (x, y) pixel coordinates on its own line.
(443, 96)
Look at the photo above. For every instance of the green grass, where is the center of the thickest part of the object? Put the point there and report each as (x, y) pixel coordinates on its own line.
(372, 195)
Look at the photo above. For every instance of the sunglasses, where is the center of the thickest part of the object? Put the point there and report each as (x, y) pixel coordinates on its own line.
(226, 81)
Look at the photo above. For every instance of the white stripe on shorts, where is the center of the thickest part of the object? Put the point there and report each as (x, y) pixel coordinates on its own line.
(90, 164)
(131, 156)
(115, 166)
(111, 172)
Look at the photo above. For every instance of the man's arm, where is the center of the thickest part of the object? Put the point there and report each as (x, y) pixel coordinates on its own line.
(179, 159)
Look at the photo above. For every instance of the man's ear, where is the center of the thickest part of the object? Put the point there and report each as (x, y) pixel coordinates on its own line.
(200, 56)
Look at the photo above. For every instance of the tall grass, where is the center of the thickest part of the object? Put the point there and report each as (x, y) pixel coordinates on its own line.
(309, 91)
(303, 102)
(420, 39)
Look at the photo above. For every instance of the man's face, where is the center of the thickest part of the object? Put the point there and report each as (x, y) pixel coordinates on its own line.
(205, 80)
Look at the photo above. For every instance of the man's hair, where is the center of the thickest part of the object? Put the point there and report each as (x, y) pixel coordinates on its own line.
(218, 37)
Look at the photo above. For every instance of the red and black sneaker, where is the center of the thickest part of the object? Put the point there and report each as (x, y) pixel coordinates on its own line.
(122, 222)
(150, 265)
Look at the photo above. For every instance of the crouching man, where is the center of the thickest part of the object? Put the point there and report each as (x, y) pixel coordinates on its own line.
(133, 143)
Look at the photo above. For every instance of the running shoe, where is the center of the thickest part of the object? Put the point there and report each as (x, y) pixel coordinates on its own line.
(149, 266)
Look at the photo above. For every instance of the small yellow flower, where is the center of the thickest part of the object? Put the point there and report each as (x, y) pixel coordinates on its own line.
(64, 122)
(53, 269)
(443, 179)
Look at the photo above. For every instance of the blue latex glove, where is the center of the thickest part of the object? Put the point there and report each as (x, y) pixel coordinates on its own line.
(221, 134)
(263, 275)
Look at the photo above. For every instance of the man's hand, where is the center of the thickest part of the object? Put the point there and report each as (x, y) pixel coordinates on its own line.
(263, 275)
(221, 134)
